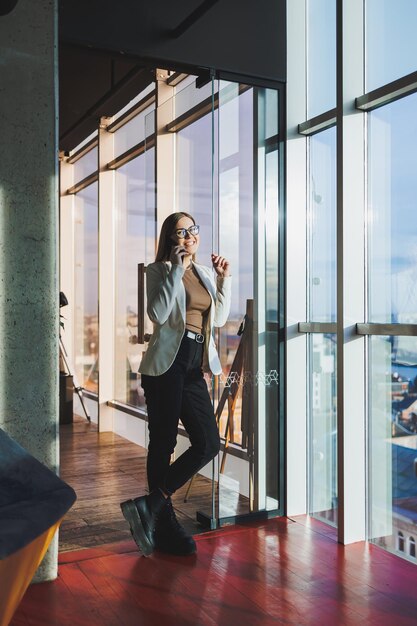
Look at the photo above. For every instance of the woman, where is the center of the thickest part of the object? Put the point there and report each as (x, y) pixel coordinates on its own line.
(184, 304)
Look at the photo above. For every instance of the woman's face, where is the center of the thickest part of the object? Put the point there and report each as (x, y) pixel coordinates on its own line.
(190, 242)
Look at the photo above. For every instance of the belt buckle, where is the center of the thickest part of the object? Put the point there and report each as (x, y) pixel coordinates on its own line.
(199, 338)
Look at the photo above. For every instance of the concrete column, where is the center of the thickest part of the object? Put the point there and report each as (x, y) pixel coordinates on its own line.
(29, 310)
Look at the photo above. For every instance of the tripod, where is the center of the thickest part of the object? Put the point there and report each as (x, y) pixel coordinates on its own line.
(77, 388)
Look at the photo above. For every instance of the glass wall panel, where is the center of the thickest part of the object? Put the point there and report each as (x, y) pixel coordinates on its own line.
(321, 292)
(391, 43)
(194, 180)
(86, 165)
(134, 131)
(86, 288)
(248, 213)
(188, 96)
(392, 245)
(135, 243)
(234, 126)
(323, 428)
(392, 447)
(392, 229)
(322, 227)
(321, 56)
(220, 194)
(274, 314)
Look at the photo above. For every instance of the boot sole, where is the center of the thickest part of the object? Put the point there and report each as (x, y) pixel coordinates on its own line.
(175, 552)
(131, 515)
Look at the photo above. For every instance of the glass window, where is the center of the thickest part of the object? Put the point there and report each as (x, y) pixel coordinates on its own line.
(400, 542)
(273, 319)
(392, 229)
(219, 193)
(321, 56)
(322, 226)
(135, 100)
(392, 443)
(391, 43)
(323, 428)
(135, 243)
(392, 245)
(321, 280)
(86, 165)
(412, 547)
(230, 229)
(134, 131)
(189, 96)
(193, 179)
(86, 287)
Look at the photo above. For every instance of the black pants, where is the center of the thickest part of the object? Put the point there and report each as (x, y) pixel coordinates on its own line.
(179, 393)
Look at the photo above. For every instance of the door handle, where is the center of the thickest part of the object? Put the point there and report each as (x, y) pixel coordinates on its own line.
(141, 302)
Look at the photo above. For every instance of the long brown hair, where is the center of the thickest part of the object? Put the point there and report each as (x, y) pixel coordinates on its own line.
(165, 242)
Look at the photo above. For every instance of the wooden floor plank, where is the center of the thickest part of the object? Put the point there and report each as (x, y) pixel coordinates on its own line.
(274, 572)
(105, 469)
(279, 571)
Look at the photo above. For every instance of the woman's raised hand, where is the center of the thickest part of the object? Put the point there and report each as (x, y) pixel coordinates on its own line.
(221, 265)
(177, 255)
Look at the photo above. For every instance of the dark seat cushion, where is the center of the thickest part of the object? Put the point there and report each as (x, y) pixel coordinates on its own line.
(32, 497)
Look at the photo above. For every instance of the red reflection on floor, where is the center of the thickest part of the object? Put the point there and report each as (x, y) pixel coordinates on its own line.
(277, 572)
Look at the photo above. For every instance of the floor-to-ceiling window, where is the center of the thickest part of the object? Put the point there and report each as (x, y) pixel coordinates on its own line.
(219, 154)
(321, 300)
(353, 142)
(322, 309)
(85, 305)
(213, 149)
(392, 274)
(134, 244)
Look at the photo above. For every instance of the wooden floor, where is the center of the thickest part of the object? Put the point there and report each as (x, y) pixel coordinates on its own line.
(276, 572)
(105, 469)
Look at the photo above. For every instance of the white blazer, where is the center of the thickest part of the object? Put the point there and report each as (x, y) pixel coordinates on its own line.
(166, 308)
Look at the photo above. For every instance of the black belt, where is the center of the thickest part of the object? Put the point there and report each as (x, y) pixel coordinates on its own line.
(192, 335)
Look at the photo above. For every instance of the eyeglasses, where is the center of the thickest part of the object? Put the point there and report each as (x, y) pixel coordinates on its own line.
(182, 232)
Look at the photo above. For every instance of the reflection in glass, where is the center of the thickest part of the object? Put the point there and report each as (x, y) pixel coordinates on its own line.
(391, 43)
(86, 287)
(235, 232)
(246, 475)
(392, 447)
(187, 96)
(322, 226)
(321, 56)
(392, 243)
(229, 230)
(323, 428)
(135, 243)
(86, 165)
(273, 313)
(133, 132)
(193, 180)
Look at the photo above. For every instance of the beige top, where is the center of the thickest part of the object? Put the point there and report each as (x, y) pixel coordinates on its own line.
(197, 300)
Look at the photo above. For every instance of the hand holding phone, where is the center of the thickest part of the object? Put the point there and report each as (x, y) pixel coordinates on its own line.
(178, 253)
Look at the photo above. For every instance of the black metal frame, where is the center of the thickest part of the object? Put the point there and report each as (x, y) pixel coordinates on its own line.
(397, 89)
(318, 124)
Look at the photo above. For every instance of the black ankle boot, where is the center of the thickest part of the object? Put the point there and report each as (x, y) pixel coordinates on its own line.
(170, 536)
(141, 514)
